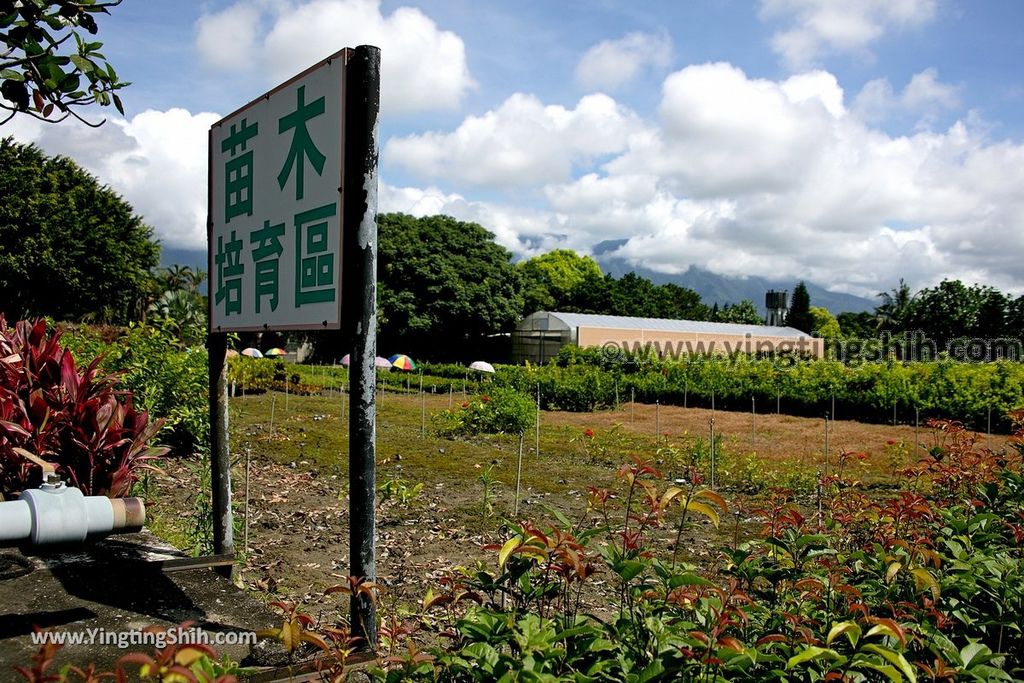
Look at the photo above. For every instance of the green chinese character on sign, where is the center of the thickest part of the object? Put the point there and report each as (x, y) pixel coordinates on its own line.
(302, 146)
(266, 256)
(314, 261)
(238, 171)
(229, 274)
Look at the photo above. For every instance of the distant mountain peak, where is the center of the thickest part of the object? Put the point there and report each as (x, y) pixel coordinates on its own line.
(722, 289)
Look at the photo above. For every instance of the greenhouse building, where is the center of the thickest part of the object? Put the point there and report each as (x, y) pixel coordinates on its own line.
(540, 336)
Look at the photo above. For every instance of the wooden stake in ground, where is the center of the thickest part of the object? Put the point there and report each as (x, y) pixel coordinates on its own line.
(451, 389)
(988, 432)
(616, 394)
(519, 474)
(536, 448)
(917, 425)
(245, 529)
(826, 444)
(423, 409)
(657, 420)
(686, 393)
(632, 404)
(273, 405)
(711, 442)
(753, 423)
(286, 383)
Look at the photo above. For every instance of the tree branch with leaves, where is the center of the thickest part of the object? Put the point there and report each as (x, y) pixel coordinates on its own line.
(47, 69)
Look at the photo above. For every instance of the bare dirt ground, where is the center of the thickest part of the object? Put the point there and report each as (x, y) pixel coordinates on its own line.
(297, 539)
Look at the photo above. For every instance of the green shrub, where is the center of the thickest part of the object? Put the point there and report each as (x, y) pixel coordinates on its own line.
(250, 375)
(77, 419)
(503, 411)
(165, 381)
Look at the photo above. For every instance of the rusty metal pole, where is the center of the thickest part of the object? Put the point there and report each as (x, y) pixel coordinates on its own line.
(362, 105)
(220, 456)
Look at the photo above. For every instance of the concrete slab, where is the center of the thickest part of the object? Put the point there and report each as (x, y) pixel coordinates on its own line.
(118, 584)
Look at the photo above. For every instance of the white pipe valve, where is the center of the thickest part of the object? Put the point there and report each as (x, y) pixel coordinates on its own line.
(56, 513)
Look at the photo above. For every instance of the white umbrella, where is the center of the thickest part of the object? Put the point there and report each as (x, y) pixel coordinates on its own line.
(251, 352)
(481, 366)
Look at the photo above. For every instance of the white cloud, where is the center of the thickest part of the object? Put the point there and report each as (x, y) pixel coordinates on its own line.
(227, 40)
(156, 161)
(612, 63)
(825, 26)
(422, 66)
(522, 142)
(923, 95)
(742, 176)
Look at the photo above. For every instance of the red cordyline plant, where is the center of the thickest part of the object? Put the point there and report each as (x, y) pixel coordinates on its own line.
(72, 418)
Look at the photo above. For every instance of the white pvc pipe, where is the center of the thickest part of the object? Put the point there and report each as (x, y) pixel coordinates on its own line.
(55, 513)
(15, 521)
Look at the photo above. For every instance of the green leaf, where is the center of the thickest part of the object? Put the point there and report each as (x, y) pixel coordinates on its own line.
(82, 63)
(894, 658)
(813, 652)
(850, 629)
(507, 549)
(629, 569)
(12, 75)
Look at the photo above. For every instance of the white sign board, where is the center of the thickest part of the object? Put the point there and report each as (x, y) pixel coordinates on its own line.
(275, 210)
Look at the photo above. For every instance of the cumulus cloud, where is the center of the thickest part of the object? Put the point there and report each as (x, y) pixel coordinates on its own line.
(156, 160)
(612, 63)
(742, 176)
(423, 67)
(227, 40)
(818, 27)
(522, 142)
(923, 95)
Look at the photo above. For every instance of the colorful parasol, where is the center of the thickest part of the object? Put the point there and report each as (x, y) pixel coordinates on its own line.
(402, 362)
(252, 353)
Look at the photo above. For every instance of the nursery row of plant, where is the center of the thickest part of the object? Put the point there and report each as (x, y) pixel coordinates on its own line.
(584, 380)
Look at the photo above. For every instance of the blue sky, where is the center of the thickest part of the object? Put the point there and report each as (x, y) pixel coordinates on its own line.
(848, 143)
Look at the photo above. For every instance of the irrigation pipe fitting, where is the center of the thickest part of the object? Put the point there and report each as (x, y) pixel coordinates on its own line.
(56, 513)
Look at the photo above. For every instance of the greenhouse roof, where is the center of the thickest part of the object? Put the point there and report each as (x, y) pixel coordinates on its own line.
(621, 322)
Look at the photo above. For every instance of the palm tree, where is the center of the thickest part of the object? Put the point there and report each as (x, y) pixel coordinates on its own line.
(894, 310)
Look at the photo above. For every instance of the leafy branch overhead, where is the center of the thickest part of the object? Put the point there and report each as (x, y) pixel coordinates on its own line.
(48, 69)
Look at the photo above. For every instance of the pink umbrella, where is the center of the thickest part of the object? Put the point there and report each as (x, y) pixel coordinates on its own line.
(378, 362)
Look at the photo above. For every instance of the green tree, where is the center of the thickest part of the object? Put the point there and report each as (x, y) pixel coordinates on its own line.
(825, 324)
(947, 311)
(860, 325)
(550, 280)
(681, 303)
(743, 313)
(444, 284)
(799, 315)
(69, 247)
(47, 69)
(895, 308)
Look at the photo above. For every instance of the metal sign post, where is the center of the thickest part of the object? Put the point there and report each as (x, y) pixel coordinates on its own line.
(361, 109)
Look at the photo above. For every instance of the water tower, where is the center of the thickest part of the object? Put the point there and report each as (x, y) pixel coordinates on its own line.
(777, 304)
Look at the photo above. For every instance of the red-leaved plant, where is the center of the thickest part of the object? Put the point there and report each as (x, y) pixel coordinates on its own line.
(76, 419)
